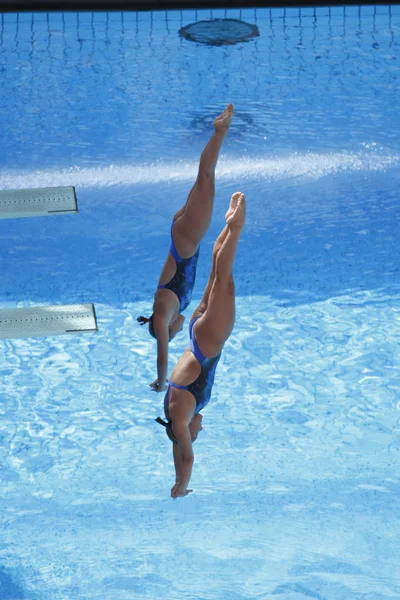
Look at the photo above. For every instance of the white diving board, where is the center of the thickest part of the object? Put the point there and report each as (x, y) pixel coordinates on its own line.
(38, 202)
(37, 321)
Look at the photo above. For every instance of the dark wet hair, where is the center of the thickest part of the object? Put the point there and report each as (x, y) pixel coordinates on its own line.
(168, 429)
(144, 320)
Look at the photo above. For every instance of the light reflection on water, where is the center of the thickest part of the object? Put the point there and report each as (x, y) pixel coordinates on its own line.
(311, 166)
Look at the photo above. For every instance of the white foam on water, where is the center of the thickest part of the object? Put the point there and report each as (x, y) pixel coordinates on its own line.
(310, 165)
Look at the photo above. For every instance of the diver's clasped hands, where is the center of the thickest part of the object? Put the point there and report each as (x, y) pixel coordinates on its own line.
(157, 387)
(177, 492)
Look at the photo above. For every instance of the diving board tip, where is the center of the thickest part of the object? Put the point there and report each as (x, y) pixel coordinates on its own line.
(37, 321)
(38, 202)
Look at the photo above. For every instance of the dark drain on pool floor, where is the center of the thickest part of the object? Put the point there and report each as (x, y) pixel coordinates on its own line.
(219, 32)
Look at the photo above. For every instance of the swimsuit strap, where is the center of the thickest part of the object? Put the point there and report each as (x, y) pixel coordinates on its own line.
(193, 344)
(176, 386)
(175, 256)
(173, 250)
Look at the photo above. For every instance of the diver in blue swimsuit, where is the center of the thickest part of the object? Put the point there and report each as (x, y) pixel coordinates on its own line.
(182, 282)
(201, 387)
(190, 385)
(189, 226)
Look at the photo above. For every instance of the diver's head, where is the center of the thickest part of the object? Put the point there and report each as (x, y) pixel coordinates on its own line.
(144, 320)
(173, 329)
(168, 429)
(176, 326)
(194, 427)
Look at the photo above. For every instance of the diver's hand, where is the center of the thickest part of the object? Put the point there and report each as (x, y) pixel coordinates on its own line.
(177, 492)
(157, 387)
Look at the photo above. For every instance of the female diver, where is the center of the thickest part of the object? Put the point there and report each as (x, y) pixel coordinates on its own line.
(189, 387)
(189, 226)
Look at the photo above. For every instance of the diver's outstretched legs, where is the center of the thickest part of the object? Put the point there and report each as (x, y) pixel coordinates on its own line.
(200, 310)
(218, 303)
(193, 220)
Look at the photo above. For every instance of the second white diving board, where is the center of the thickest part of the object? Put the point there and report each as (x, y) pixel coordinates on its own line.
(37, 202)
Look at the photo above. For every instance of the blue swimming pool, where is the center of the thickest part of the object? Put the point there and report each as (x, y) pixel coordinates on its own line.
(296, 475)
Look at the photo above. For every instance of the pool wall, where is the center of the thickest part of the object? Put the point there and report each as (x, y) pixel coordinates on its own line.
(82, 5)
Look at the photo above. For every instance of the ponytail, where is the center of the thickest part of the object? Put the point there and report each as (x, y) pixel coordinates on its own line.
(168, 429)
(143, 320)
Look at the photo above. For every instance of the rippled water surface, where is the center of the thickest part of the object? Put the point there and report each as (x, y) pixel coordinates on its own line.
(296, 475)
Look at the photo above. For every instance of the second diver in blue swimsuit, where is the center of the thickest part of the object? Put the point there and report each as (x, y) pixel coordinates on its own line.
(189, 226)
(191, 381)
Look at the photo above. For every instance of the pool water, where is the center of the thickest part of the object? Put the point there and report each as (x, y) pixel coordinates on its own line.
(296, 471)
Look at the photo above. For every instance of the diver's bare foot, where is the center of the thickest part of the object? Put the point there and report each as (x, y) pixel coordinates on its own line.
(233, 204)
(236, 213)
(221, 123)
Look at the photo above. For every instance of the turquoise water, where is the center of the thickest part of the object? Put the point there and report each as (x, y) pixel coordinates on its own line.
(295, 479)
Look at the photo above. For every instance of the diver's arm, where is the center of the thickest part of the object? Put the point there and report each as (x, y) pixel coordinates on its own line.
(179, 490)
(184, 454)
(178, 462)
(162, 334)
